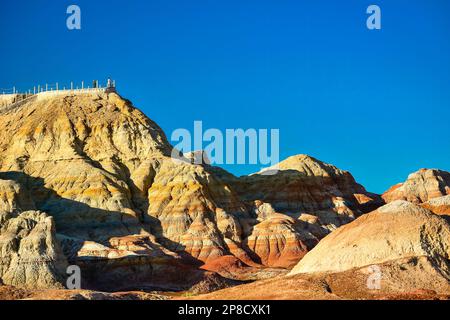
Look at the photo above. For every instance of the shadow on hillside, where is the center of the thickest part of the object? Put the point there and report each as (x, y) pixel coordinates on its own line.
(77, 222)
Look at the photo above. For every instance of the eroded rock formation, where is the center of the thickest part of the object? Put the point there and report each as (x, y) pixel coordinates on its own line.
(30, 255)
(409, 245)
(421, 186)
(101, 172)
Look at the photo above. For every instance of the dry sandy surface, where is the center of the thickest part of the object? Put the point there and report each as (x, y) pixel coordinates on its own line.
(343, 286)
(12, 293)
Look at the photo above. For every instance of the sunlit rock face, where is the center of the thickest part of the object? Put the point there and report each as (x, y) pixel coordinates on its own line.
(439, 206)
(8, 99)
(421, 186)
(276, 242)
(302, 186)
(403, 240)
(294, 205)
(108, 192)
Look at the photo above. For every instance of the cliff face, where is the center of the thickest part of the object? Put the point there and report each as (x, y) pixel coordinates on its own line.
(100, 172)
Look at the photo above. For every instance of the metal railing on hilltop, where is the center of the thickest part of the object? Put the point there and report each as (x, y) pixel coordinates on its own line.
(19, 97)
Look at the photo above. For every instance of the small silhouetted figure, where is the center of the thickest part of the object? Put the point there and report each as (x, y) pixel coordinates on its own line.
(111, 86)
(95, 84)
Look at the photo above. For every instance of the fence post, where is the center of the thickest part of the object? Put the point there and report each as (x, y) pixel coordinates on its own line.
(71, 85)
(57, 88)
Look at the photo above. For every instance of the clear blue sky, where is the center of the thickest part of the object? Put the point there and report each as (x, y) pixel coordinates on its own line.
(376, 103)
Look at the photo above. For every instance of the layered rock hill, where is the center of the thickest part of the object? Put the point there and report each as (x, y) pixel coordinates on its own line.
(104, 185)
(297, 203)
(429, 188)
(303, 185)
(421, 186)
(408, 245)
(399, 251)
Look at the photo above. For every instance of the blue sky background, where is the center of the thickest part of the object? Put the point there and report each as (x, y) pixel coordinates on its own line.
(376, 103)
